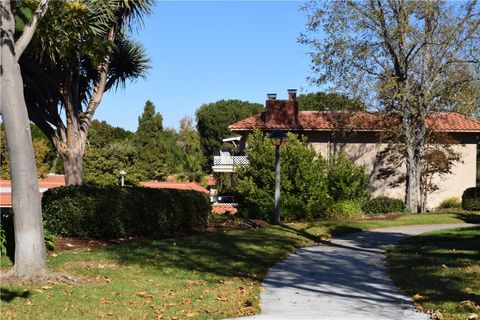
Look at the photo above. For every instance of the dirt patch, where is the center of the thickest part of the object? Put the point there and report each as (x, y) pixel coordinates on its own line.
(66, 243)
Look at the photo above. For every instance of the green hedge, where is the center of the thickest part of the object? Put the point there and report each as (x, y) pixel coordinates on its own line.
(344, 210)
(111, 211)
(471, 199)
(382, 205)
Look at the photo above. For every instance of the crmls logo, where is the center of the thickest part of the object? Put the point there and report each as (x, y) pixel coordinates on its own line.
(415, 314)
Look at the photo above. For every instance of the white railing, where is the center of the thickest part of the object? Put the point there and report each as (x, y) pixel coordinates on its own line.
(230, 160)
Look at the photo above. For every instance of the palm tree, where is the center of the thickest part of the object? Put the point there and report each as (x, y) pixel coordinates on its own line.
(79, 52)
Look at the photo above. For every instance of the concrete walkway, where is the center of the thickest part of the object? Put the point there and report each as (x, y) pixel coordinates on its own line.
(344, 279)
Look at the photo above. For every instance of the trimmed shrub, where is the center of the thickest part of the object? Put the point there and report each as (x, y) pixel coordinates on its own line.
(112, 211)
(346, 180)
(451, 202)
(344, 210)
(382, 205)
(471, 199)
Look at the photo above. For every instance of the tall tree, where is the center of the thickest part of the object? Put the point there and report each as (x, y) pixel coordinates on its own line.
(30, 256)
(189, 141)
(157, 148)
(79, 53)
(409, 58)
(213, 120)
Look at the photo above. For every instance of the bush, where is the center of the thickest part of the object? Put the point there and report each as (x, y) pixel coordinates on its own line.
(112, 211)
(344, 210)
(471, 199)
(382, 205)
(451, 202)
(346, 180)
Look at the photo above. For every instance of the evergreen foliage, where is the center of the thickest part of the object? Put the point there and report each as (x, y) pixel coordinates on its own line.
(214, 118)
(157, 148)
(471, 199)
(321, 101)
(309, 185)
(112, 211)
(382, 205)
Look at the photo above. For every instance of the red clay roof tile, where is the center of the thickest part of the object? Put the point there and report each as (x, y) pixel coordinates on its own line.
(358, 121)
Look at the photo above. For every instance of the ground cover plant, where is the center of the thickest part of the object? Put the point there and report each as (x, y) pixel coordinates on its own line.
(440, 271)
(204, 276)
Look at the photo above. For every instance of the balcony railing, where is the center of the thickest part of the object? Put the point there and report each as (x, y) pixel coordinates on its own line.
(226, 162)
(230, 160)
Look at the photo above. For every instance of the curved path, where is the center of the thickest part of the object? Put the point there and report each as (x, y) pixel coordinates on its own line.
(344, 279)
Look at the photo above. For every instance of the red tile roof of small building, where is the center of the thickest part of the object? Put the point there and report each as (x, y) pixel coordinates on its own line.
(174, 185)
(5, 199)
(357, 121)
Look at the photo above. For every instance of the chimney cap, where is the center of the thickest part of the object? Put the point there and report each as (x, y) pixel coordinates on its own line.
(292, 91)
(271, 96)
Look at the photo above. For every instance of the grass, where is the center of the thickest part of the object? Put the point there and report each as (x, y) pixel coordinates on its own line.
(441, 271)
(206, 276)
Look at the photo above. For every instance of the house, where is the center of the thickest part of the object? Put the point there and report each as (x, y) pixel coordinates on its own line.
(358, 135)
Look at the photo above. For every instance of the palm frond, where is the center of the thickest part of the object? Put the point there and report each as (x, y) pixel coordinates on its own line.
(129, 61)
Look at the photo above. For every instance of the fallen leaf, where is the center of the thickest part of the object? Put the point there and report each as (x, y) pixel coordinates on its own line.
(472, 316)
(143, 294)
(46, 288)
(417, 296)
(219, 298)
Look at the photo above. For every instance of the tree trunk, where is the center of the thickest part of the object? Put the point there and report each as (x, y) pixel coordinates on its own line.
(30, 253)
(73, 167)
(411, 186)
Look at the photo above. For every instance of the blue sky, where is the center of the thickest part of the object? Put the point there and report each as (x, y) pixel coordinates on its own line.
(202, 52)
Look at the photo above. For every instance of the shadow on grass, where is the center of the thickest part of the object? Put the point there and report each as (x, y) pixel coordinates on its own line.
(441, 263)
(469, 217)
(8, 295)
(247, 254)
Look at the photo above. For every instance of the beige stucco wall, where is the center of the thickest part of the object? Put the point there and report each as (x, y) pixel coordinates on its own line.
(363, 149)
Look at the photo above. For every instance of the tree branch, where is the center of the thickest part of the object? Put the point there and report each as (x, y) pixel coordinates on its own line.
(22, 42)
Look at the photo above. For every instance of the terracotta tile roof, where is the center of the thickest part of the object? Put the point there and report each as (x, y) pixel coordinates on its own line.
(52, 181)
(174, 185)
(5, 200)
(358, 121)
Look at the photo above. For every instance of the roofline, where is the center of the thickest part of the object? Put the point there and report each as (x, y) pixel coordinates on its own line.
(326, 130)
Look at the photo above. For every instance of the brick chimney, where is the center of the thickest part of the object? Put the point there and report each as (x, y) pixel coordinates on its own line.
(282, 112)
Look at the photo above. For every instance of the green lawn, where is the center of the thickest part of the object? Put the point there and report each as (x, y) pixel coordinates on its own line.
(441, 271)
(206, 276)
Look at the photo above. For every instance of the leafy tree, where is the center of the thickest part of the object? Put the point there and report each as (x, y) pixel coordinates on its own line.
(157, 148)
(79, 52)
(42, 148)
(321, 101)
(213, 120)
(103, 165)
(101, 134)
(189, 141)
(303, 187)
(30, 262)
(408, 57)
